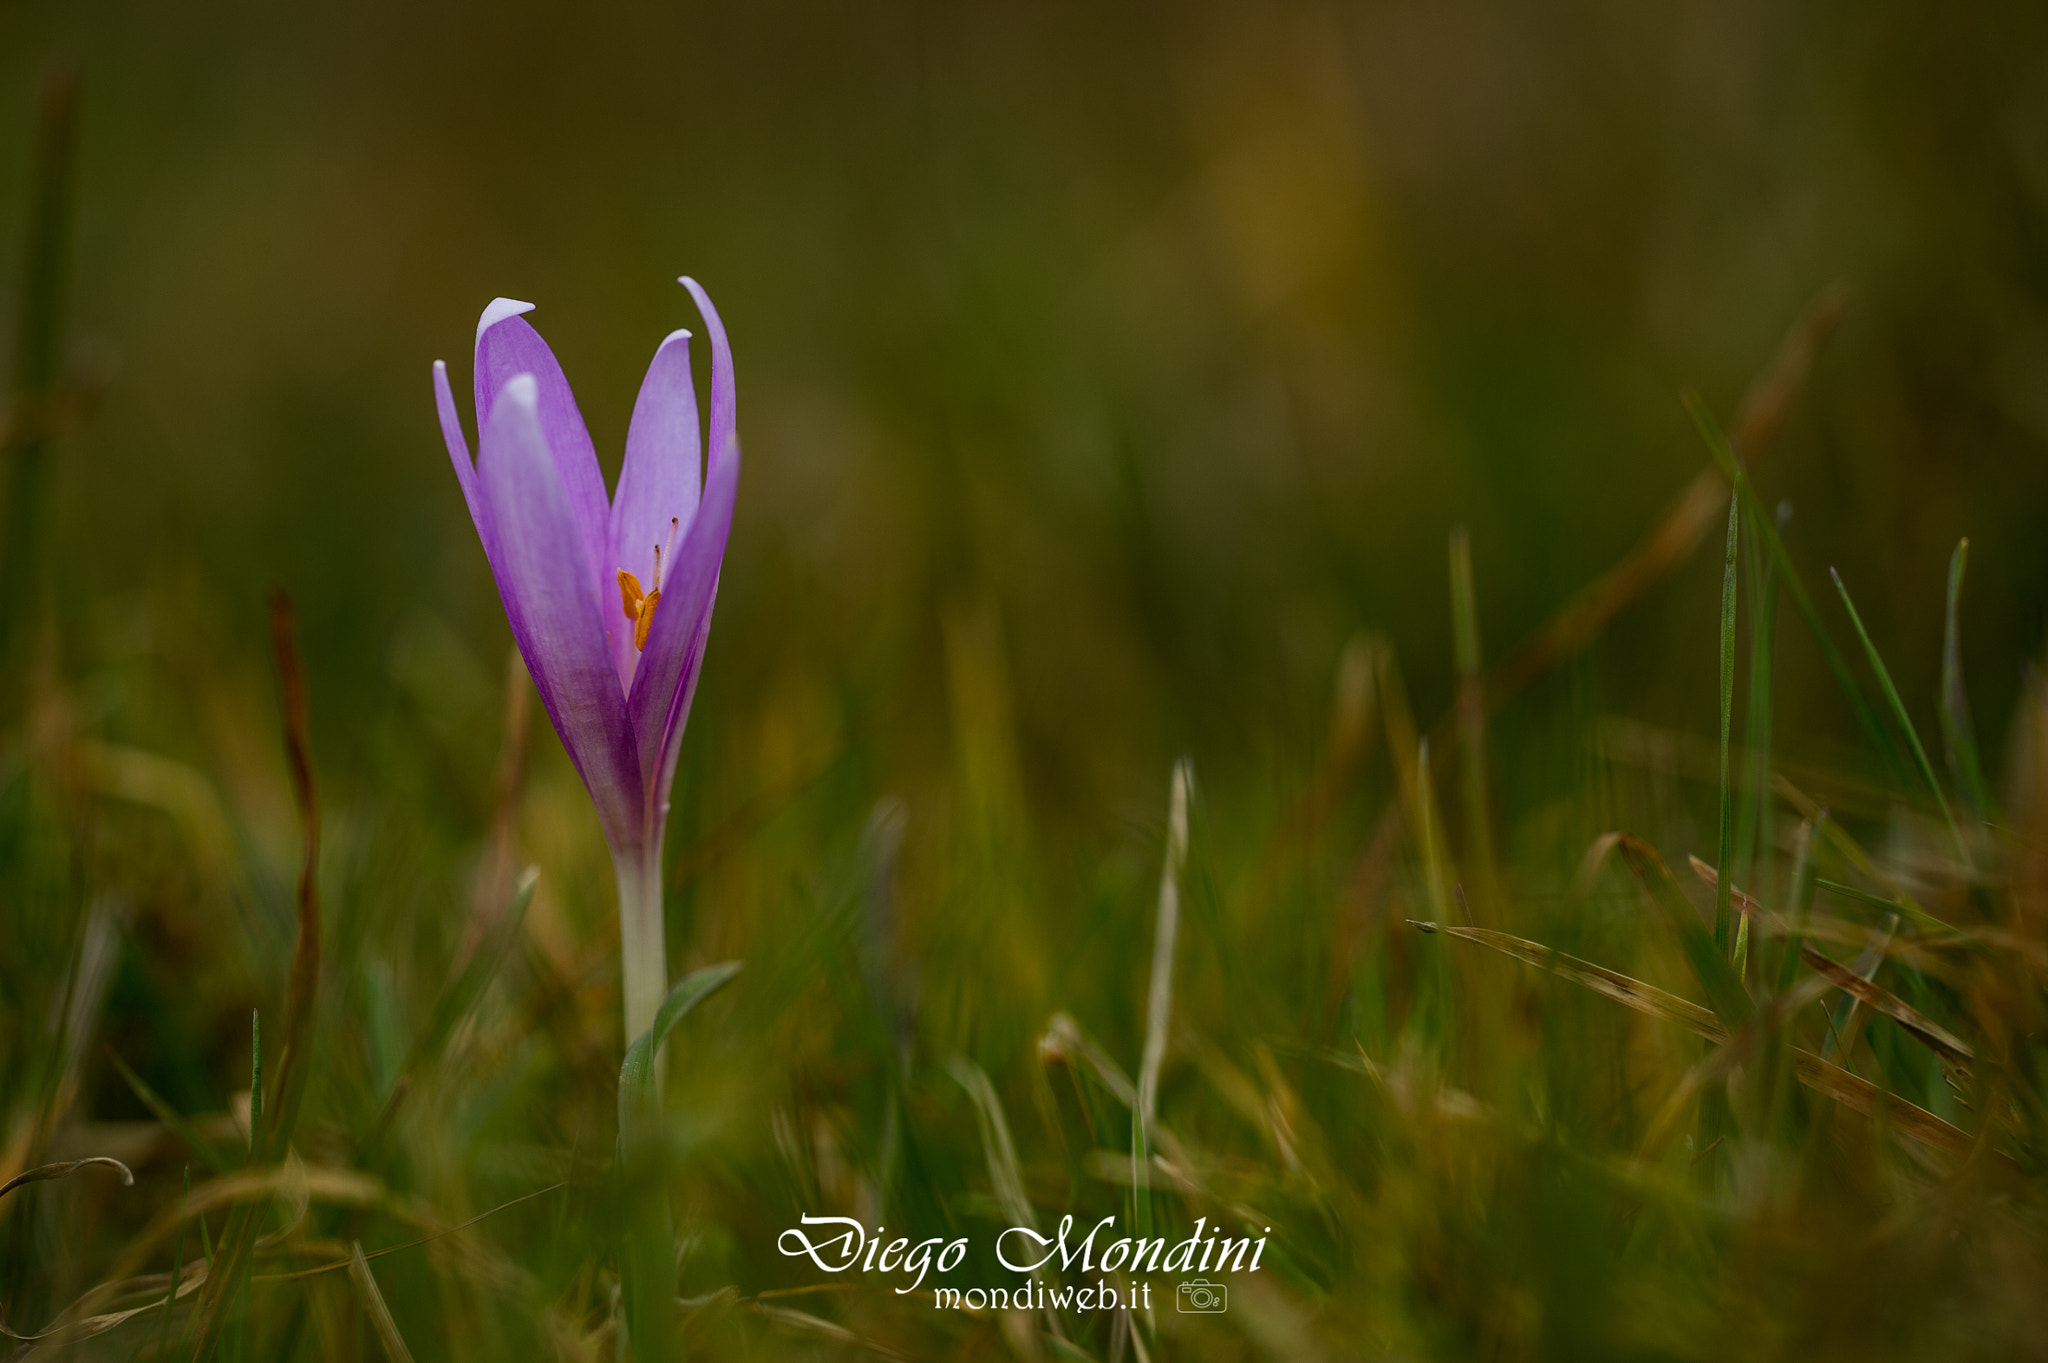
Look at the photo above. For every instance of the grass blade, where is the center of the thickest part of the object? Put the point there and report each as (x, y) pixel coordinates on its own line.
(1726, 850)
(64, 1169)
(1922, 1028)
(1837, 664)
(1958, 734)
(372, 1300)
(1471, 706)
(1623, 989)
(1004, 1174)
(1904, 721)
(636, 1074)
(1159, 998)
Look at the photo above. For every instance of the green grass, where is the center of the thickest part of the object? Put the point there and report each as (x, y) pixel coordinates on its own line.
(1473, 1155)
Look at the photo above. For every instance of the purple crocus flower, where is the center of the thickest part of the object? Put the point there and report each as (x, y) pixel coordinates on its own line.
(609, 598)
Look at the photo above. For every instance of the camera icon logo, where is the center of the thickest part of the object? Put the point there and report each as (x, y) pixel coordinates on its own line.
(1201, 1297)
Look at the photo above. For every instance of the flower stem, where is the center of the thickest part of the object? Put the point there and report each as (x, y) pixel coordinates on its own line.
(643, 958)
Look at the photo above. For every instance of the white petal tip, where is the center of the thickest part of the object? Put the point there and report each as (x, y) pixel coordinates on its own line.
(679, 334)
(498, 311)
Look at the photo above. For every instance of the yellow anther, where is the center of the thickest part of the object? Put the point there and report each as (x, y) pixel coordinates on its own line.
(639, 606)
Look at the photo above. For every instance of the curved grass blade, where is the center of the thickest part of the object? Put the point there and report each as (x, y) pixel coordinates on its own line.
(1904, 721)
(64, 1169)
(75, 1324)
(1004, 1173)
(636, 1075)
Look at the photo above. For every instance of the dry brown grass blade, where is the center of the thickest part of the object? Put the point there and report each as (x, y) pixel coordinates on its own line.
(1644, 998)
(372, 1300)
(1830, 1080)
(1743, 902)
(1922, 1028)
(65, 1168)
(1860, 1095)
(72, 1325)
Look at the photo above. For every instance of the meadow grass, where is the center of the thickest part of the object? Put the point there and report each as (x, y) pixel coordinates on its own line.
(1558, 1086)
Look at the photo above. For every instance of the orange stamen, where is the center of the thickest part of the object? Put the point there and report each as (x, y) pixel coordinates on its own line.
(639, 606)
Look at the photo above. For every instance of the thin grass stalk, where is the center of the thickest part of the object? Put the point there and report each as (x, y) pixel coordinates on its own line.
(1159, 997)
(372, 1300)
(1471, 706)
(1904, 721)
(1722, 866)
(1429, 837)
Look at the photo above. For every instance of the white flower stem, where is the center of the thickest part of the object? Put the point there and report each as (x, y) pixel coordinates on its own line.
(643, 959)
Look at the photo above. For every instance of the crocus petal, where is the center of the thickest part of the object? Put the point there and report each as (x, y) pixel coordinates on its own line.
(458, 446)
(544, 577)
(658, 484)
(678, 717)
(506, 345)
(668, 665)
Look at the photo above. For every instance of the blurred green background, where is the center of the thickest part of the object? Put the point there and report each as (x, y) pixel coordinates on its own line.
(1180, 333)
(1103, 369)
